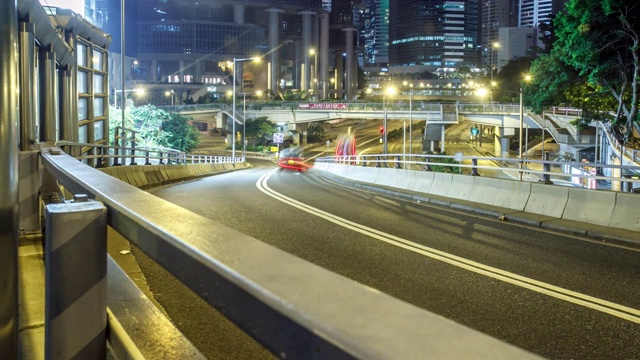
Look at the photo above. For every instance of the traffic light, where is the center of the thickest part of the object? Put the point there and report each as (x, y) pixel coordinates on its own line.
(381, 129)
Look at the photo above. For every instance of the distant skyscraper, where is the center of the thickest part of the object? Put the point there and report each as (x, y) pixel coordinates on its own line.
(496, 14)
(430, 34)
(533, 12)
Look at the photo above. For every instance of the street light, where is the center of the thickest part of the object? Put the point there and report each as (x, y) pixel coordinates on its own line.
(494, 46)
(233, 112)
(527, 78)
(169, 93)
(388, 91)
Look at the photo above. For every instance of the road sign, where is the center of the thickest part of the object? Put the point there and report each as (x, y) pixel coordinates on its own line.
(278, 138)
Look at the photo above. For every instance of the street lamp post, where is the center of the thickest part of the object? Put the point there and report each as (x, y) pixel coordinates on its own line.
(170, 93)
(520, 137)
(410, 119)
(493, 47)
(233, 111)
(388, 91)
(527, 78)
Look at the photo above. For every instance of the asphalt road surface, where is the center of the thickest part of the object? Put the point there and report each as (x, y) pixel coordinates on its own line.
(559, 296)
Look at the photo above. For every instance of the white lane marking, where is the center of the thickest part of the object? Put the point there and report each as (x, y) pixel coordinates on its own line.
(590, 302)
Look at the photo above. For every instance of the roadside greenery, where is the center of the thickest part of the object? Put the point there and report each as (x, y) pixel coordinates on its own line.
(155, 127)
(594, 64)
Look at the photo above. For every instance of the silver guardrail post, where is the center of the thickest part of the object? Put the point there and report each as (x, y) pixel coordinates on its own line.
(76, 280)
(474, 167)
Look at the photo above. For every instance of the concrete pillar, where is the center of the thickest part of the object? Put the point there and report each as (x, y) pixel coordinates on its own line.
(9, 225)
(48, 96)
(324, 55)
(502, 140)
(339, 76)
(306, 45)
(238, 14)
(181, 71)
(72, 98)
(274, 41)
(349, 63)
(67, 129)
(153, 77)
(198, 71)
(28, 110)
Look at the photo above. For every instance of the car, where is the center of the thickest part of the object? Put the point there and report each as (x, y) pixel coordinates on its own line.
(293, 163)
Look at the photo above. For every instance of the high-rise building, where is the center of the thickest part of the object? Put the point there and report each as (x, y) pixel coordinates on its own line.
(374, 32)
(186, 48)
(533, 12)
(496, 14)
(425, 35)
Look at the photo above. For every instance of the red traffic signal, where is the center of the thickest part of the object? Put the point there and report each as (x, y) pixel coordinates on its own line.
(381, 129)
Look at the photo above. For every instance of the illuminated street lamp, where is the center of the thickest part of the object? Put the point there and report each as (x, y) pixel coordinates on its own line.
(388, 91)
(170, 93)
(494, 45)
(527, 78)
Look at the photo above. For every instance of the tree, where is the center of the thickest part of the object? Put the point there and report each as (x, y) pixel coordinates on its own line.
(183, 135)
(601, 40)
(259, 127)
(155, 127)
(315, 132)
(511, 75)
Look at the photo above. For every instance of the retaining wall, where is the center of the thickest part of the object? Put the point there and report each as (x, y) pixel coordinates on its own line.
(598, 207)
(148, 176)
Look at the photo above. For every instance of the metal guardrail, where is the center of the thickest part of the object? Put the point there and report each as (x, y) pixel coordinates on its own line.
(577, 173)
(100, 156)
(294, 308)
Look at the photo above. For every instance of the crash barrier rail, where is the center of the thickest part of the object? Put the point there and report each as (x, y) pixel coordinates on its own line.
(263, 290)
(499, 197)
(99, 155)
(621, 177)
(389, 104)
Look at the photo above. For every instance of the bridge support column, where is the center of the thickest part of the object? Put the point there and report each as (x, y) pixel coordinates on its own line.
(503, 137)
(274, 39)
(433, 134)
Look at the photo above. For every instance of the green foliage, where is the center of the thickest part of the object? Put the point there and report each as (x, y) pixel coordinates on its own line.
(600, 39)
(315, 132)
(552, 83)
(156, 128)
(443, 168)
(511, 77)
(259, 128)
(182, 135)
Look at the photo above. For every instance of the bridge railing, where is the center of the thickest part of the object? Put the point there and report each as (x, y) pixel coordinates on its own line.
(294, 308)
(587, 175)
(99, 155)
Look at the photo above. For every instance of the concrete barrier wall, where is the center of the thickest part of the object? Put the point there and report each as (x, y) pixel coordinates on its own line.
(146, 176)
(625, 214)
(547, 200)
(595, 207)
(605, 208)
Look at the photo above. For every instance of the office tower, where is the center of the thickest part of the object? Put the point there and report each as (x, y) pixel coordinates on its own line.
(533, 12)
(425, 35)
(496, 14)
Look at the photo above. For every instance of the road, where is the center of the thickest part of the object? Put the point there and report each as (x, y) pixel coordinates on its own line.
(559, 296)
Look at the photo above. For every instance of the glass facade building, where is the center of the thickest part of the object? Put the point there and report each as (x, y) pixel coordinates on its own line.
(431, 34)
